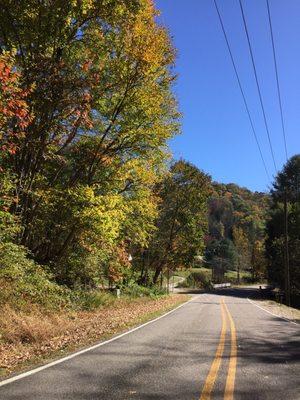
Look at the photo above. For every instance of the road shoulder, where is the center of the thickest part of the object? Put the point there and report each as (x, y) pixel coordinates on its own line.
(279, 310)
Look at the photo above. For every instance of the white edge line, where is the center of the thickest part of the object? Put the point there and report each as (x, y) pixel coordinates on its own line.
(61, 360)
(269, 312)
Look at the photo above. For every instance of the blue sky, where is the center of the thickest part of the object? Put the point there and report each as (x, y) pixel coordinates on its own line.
(216, 134)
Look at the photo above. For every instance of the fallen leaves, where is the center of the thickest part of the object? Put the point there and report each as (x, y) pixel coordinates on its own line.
(28, 338)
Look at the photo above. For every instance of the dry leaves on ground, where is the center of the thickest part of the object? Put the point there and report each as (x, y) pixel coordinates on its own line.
(29, 337)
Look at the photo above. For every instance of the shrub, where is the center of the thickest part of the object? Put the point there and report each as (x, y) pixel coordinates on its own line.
(198, 279)
(23, 282)
(91, 299)
(135, 290)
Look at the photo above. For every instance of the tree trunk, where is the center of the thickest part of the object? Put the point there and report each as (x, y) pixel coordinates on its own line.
(158, 271)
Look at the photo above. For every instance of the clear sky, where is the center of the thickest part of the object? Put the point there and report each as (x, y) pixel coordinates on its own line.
(216, 133)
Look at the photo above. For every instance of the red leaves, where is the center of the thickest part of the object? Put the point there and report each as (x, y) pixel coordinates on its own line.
(14, 114)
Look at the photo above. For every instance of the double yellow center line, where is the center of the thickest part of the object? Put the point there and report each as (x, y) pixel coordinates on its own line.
(215, 366)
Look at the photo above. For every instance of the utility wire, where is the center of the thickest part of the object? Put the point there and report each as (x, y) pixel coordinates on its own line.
(241, 89)
(277, 79)
(257, 84)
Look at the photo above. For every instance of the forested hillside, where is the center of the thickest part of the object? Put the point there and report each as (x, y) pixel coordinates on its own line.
(258, 232)
(236, 239)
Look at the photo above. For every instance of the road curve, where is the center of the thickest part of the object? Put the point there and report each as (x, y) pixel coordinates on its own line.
(218, 346)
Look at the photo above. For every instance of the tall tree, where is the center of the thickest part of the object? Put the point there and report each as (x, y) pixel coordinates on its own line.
(182, 218)
(286, 188)
(242, 248)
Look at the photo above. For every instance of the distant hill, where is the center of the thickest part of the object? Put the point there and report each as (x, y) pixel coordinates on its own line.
(237, 218)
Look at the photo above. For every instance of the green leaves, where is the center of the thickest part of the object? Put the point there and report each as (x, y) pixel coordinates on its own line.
(182, 218)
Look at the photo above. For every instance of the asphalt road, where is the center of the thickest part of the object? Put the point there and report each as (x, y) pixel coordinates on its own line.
(218, 346)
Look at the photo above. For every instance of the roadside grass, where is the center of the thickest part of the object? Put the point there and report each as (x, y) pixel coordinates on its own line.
(182, 273)
(232, 275)
(176, 279)
(31, 338)
(203, 276)
(173, 279)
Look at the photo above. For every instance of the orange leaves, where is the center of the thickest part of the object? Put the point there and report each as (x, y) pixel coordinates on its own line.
(119, 264)
(14, 114)
(86, 65)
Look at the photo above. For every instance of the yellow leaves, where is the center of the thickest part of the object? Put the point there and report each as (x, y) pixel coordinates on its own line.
(147, 42)
(140, 171)
(102, 216)
(240, 239)
(85, 5)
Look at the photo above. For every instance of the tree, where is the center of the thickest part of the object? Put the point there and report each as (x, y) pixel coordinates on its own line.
(14, 119)
(182, 218)
(258, 260)
(14, 110)
(221, 255)
(286, 190)
(242, 247)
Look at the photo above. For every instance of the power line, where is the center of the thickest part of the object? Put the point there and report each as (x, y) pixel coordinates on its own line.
(241, 89)
(257, 84)
(277, 79)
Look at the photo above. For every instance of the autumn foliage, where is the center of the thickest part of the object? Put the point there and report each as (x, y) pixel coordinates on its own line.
(86, 111)
(14, 111)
